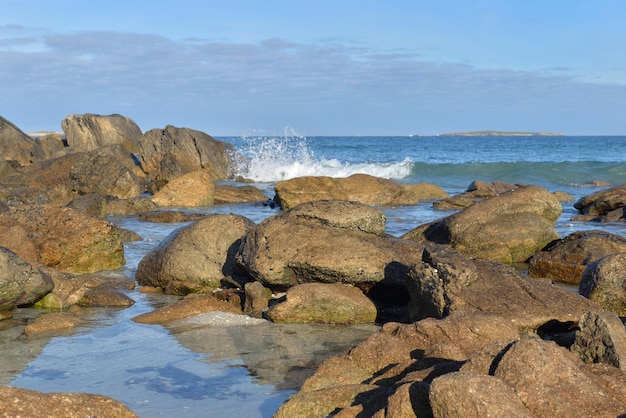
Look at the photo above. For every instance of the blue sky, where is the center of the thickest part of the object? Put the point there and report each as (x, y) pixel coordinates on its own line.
(340, 67)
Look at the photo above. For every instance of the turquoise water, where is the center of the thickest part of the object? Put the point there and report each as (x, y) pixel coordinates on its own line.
(159, 373)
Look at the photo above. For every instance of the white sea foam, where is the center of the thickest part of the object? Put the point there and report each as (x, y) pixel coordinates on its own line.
(271, 159)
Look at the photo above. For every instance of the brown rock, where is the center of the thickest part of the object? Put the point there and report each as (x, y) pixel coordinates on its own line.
(20, 282)
(171, 216)
(476, 191)
(327, 246)
(601, 339)
(17, 402)
(509, 227)
(16, 145)
(237, 194)
(361, 188)
(197, 257)
(68, 289)
(189, 306)
(104, 296)
(469, 394)
(335, 371)
(565, 260)
(324, 303)
(604, 283)
(172, 152)
(193, 189)
(62, 238)
(602, 201)
(550, 382)
(89, 132)
(256, 299)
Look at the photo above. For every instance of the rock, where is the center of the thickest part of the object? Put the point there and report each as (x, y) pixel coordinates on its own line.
(62, 238)
(89, 132)
(17, 402)
(171, 152)
(256, 300)
(601, 339)
(602, 201)
(51, 322)
(53, 145)
(171, 216)
(101, 171)
(104, 296)
(604, 283)
(476, 191)
(194, 189)
(325, 242)
(469, 394)
(237, 194)
(335, 371)
(441, 276)
(133, 206)
(565, 260)
(16, 145)
(550, 382)
(189, 306)
(68, 289)
(446, 282)
(361, 188)
(324, 303)
(195, 258)
(20, 282)
(509, 227)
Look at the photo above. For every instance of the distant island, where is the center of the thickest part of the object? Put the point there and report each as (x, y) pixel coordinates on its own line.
(501, 133)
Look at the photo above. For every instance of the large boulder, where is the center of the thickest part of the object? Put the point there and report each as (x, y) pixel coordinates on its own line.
(102, 171)
(195, 258)
(16, 145)
(18, 402)
(191, 190)
(565, 260)
(20, 282)
(476, 191)
(604, 283)
(509, 227)
(601, 339)
(324, 303)
(445, 281)
(603, 201)
(88, 132)
(328, 242)
(171, 152)
(238, 194)
(62, 238)
(358, 187)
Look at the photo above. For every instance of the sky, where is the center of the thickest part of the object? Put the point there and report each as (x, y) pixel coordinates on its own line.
(323, 67)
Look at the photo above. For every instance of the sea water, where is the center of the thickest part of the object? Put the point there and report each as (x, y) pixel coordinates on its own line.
(227, 370)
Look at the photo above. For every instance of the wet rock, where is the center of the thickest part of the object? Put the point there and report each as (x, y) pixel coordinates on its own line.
(361, 188)
(565, 260)
(172, 152)
(550, 381)
(324, 303)
(509, 227)
(17, 402)
(325, 242)
(237, 194)
(190, 305)
(601, 339)
(197, 257)
(256, 299)
(101, 171)
(469, 394)
(476, 191)
(604, 283)
(52, 322)
(20, 282)
(62, 238)
(104, 296)
(603, 201)
(195, 189)
(16, 145)
(171, 216)
(88, 132)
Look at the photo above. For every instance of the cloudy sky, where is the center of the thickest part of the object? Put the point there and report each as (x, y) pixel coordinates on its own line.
(323, 67)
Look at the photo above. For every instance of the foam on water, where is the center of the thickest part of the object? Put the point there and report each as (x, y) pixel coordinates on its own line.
(276, 158)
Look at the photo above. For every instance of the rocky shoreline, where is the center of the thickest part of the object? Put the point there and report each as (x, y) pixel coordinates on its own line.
(463, 333)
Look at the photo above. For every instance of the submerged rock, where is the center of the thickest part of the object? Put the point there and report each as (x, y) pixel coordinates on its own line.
(509, 227)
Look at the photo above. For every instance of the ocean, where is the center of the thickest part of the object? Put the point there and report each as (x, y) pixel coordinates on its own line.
(224, 371)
